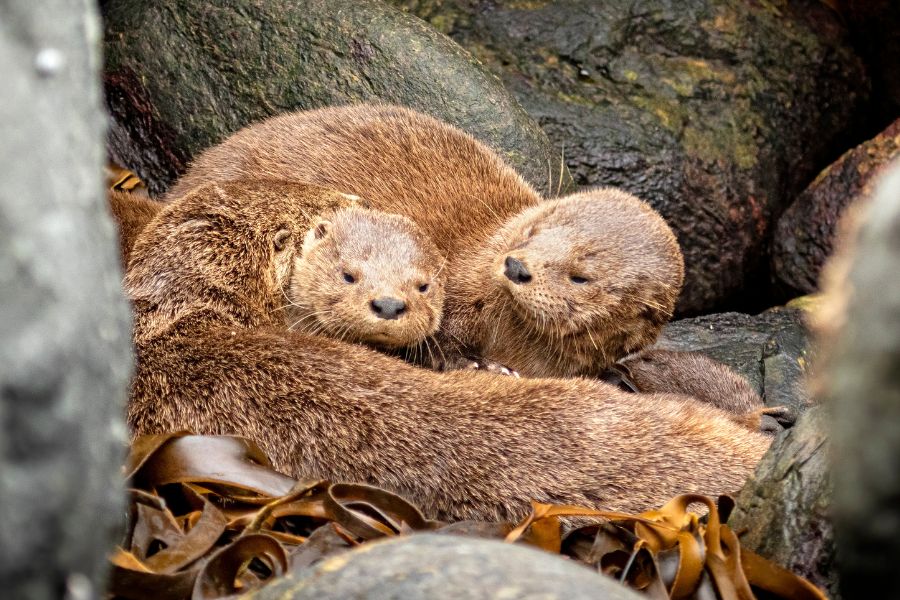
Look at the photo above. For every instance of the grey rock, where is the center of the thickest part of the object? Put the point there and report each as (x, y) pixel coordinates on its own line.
(717, 112)
(862, 383)
(772, 349)
(448, 567)
(64, 323)
(181, 76)
(784, 507)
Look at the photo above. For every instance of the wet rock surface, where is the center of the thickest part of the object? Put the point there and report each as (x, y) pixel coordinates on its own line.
(804, 236)
(772, 349)
(64, 323)
(784, 507)
(716, 112)
(434, 566)
(250, 60)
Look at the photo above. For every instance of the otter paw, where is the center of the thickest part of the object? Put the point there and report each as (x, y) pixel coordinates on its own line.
(770, 420)
(491, 367)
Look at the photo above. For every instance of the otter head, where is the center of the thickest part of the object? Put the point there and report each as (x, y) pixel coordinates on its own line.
(598, 272)
(367, 276)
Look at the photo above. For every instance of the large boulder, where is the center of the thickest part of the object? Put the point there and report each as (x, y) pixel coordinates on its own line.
(804, 236)
(425, 566)
(717, 112)
(772, 349)
(182, 76)
(784, 508)
(862, 386)
(64, 324)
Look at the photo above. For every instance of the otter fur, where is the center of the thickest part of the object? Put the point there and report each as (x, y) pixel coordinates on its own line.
(561, 287)
(367, 276)
(131, 214)
(213, 356)
(706, 380)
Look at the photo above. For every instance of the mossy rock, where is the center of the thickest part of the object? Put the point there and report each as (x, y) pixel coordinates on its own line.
(182, 75)
(784, 509)
(718, 112)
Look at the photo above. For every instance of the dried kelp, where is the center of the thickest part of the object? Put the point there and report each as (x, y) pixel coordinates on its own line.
(210, 518)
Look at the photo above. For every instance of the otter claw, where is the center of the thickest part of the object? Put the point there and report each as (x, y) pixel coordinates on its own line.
(492, 367)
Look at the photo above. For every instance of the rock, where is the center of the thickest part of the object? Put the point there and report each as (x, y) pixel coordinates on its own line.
(770, 349)
(785, 505)
(717, 112)
(805, 232)
(862, 386)
(250, 60)
(434, 566)
(873, 26)
(64, 324)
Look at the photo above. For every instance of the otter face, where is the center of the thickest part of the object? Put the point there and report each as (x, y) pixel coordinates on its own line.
(598, 266)
(367, 276)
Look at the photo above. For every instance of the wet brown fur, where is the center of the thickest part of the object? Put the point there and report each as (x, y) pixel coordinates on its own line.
(213, 356)
(698, 376)
(131, 213)
(477, 210)
(353, 258)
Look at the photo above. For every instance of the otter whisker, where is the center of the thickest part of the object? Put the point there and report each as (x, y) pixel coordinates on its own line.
(562, 166)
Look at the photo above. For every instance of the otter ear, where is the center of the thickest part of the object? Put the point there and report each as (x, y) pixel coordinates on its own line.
(282, 236)
(321, 229)
(315, 235)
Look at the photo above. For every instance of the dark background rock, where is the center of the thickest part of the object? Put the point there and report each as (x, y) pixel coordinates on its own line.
(874, 27)
(862, 385)
(770, 349)
(425, 566)
(182, 75)
(64, 324)
(785, 505)
(804, 235)
(718, 112)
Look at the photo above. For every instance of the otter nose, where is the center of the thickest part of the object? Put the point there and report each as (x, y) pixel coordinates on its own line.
(388, 308)
(515, 271)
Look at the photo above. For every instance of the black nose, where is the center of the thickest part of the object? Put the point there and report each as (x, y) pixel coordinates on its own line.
(388, 308)
(515, 271)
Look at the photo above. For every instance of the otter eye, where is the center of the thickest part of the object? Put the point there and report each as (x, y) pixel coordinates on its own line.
(578, 280)
(349, 278)
(423, 288)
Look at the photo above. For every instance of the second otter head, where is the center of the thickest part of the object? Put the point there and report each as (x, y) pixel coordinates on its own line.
(367, 276)
(598, 272)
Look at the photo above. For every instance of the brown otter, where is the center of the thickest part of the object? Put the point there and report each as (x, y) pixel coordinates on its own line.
(131, 213)
(556, 288)
(706, 380)
(213, 356)
(367, 276)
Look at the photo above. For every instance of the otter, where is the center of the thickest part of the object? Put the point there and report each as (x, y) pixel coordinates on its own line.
(131, 214)
(704, 379)
(561, 287)
(213, 356)
(367, 276)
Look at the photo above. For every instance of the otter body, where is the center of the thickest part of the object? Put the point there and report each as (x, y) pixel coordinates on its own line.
(131, 214)
(214, 357)
(549, 288)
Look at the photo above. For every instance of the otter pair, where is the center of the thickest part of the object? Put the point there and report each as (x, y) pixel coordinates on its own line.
(471, 264)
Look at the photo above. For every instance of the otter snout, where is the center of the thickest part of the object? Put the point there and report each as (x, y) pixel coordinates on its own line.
(516, 271)
(388, 308)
